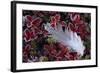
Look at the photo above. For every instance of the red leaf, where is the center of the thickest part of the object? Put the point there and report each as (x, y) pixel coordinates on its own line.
(57, 17)
(28, 34)
(53, 21)
(36, 21)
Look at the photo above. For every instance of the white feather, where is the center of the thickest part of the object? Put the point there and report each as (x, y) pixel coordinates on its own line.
(68, 38)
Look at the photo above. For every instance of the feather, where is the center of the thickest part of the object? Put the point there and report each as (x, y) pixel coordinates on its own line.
(68, 38)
